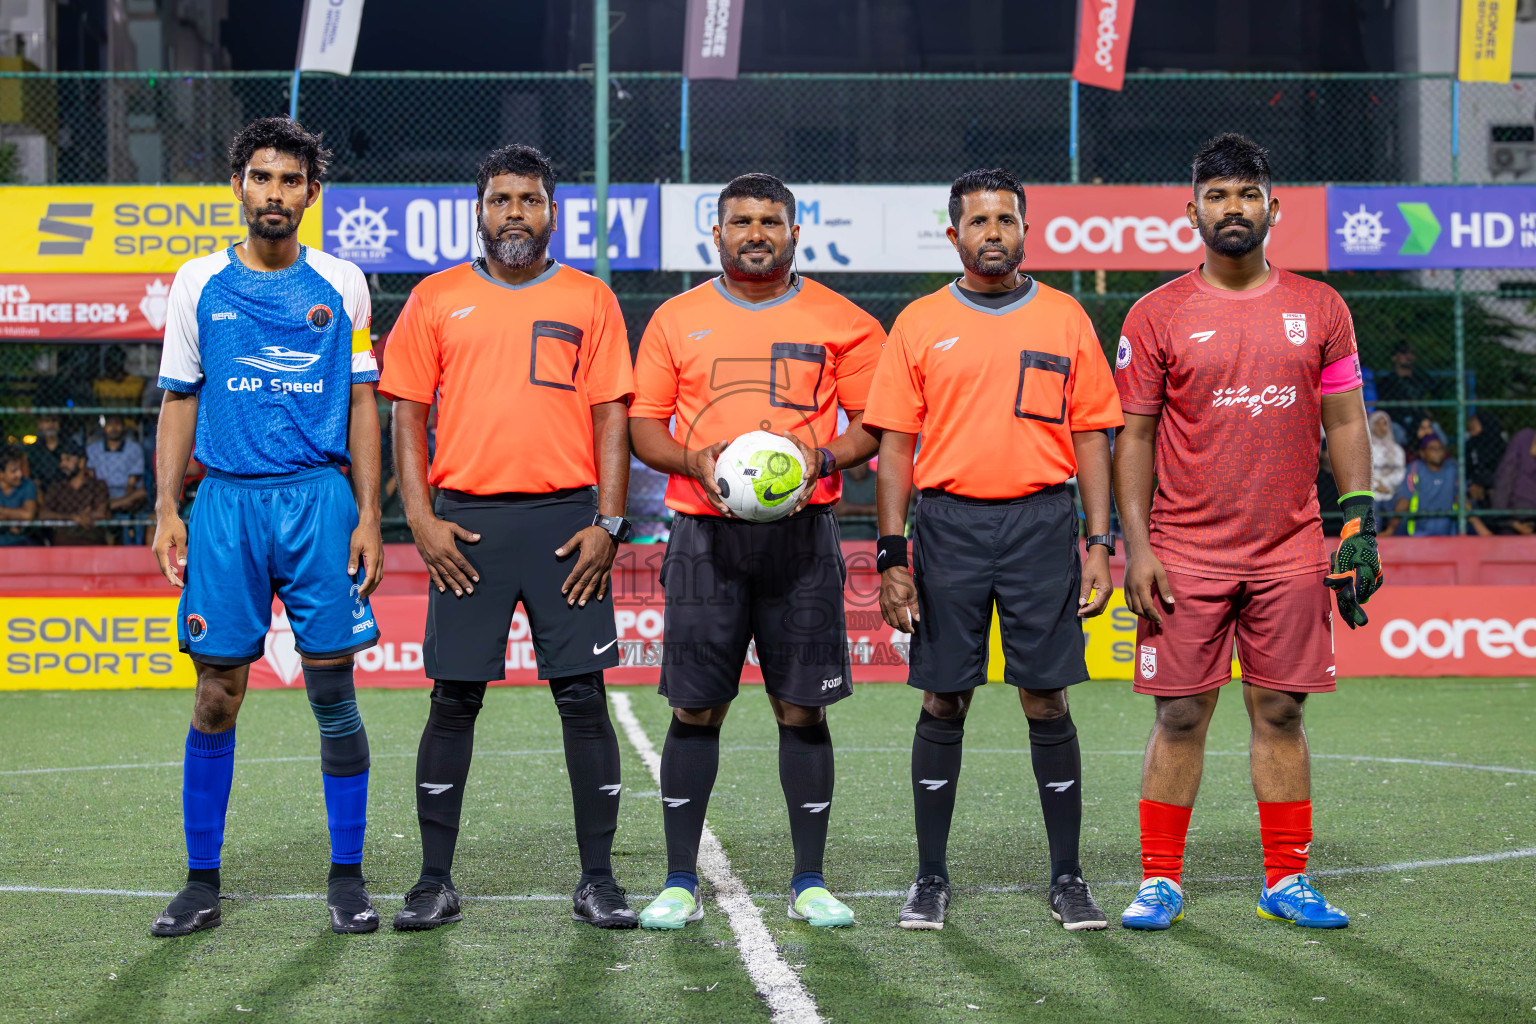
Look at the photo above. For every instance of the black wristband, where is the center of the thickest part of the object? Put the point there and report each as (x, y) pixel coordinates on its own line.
(890, 551)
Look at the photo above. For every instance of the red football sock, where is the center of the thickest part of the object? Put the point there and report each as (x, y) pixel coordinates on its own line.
(1164, 829)
(1286, 830)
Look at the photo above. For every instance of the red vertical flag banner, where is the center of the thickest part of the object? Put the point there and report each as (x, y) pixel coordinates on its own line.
(1103, 36)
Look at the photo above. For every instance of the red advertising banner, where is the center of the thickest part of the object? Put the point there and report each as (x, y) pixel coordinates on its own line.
(1103, 36)
(1443, 631)
(1144, 227)
(83, 307)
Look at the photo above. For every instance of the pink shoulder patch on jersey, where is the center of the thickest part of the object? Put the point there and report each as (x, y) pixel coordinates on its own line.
(1342, 375)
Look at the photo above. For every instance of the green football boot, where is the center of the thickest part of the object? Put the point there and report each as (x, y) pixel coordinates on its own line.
(674, 908)
(820, 909)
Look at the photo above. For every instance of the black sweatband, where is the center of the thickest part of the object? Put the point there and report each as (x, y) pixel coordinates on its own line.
(890, 551)
(828, 463)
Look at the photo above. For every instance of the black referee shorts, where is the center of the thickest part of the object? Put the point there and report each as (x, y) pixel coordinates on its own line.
(515, 557)
(777, 584)
(1021, 553)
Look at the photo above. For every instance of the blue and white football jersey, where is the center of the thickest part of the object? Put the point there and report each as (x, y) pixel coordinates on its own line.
(272, 356)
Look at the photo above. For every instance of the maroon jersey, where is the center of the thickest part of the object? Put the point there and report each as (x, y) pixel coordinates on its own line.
(1238, 380)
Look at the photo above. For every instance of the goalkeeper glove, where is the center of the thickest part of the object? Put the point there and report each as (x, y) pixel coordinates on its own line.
(1356, 571)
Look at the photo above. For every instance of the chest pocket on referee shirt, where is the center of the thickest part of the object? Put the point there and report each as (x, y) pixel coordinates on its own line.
(556, 355)
(794, 377)
(1042, 391)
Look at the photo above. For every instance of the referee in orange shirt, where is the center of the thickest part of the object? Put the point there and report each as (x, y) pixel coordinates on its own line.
(758, 347)
(529, 366)
(1007, 384)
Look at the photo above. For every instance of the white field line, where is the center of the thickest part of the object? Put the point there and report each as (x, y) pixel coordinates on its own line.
(788, 1001)
(887, 894)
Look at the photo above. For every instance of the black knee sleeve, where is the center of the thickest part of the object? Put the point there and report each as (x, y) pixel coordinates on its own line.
(580, 698)
(455, 705)
(940, 730)
(1051, 732)
(333, 699)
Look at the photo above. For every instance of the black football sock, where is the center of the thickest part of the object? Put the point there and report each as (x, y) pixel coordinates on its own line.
(442, 769)
(806, 773)
(592, 762)
(1058, 761)
(935, 774)
(690, 760)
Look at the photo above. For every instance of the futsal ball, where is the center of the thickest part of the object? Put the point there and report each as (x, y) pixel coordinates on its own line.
(759, 475)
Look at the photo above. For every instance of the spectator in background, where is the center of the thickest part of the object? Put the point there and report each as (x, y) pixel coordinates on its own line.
(79, 497)
(116, 386)
(1405, 384)
(118, 462)
(18, 499)
(1388, 464)
(1427, 427)
(1515, 482)
(856, 510)
(43, 454)
(1484, 451)
(1428, 486)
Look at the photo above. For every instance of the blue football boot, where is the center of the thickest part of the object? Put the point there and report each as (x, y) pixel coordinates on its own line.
(1158, 904)
(1294, 899)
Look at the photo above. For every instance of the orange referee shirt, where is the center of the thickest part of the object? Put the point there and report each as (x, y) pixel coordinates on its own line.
(515, 371)
(723, 367)
(995, 393)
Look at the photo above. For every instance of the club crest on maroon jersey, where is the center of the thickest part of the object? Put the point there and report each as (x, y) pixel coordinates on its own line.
(1295, 327)
(1148, 661)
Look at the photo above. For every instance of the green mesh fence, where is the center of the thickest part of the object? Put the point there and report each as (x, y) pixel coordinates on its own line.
(1471, 333)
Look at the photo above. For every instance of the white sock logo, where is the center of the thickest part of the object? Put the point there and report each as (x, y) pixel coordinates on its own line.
(817, 808)
(933, 784)
(675, 802)
(1061, 787)
(437, 788)
(612, 790)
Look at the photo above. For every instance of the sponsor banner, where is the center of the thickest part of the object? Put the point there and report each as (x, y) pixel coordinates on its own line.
(1487, 40)
(1431, 227)
(83, 307)
(1443, 631)
(712, 39)
(91, 643)
(901, 228)
(421, 229)
(141, 229)
(328, 39)
(1103, 37)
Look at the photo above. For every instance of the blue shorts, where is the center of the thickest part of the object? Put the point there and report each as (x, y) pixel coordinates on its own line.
(286, 535)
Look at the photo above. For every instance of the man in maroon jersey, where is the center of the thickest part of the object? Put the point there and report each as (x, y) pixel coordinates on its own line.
(1224, 376)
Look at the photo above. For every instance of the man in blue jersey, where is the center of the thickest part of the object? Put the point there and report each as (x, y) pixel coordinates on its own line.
(268, 363)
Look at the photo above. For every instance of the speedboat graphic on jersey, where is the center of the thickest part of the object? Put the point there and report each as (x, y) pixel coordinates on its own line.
(279, 359)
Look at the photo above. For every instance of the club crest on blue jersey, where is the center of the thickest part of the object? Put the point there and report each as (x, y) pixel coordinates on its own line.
(197, 628)
(319, 317)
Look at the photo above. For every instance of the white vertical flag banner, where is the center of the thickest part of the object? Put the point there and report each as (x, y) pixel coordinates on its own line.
(712, 47)
(328, 39)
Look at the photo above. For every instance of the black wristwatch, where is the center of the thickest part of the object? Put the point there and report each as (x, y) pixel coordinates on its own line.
(1103, 538)
(617, 526)
(828, 463)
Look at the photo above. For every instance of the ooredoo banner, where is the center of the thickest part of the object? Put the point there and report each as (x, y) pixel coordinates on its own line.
(901, 228)
(1103, 37)
(1443, 631)
(83, 307)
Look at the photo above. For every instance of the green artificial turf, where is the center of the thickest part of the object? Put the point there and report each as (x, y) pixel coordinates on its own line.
(1430, 943)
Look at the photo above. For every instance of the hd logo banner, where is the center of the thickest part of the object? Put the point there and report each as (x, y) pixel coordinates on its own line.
(421, 229)
(1432, 227)
(145, 229)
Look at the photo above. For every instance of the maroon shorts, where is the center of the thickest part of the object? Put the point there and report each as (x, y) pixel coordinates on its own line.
(1283, 629)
